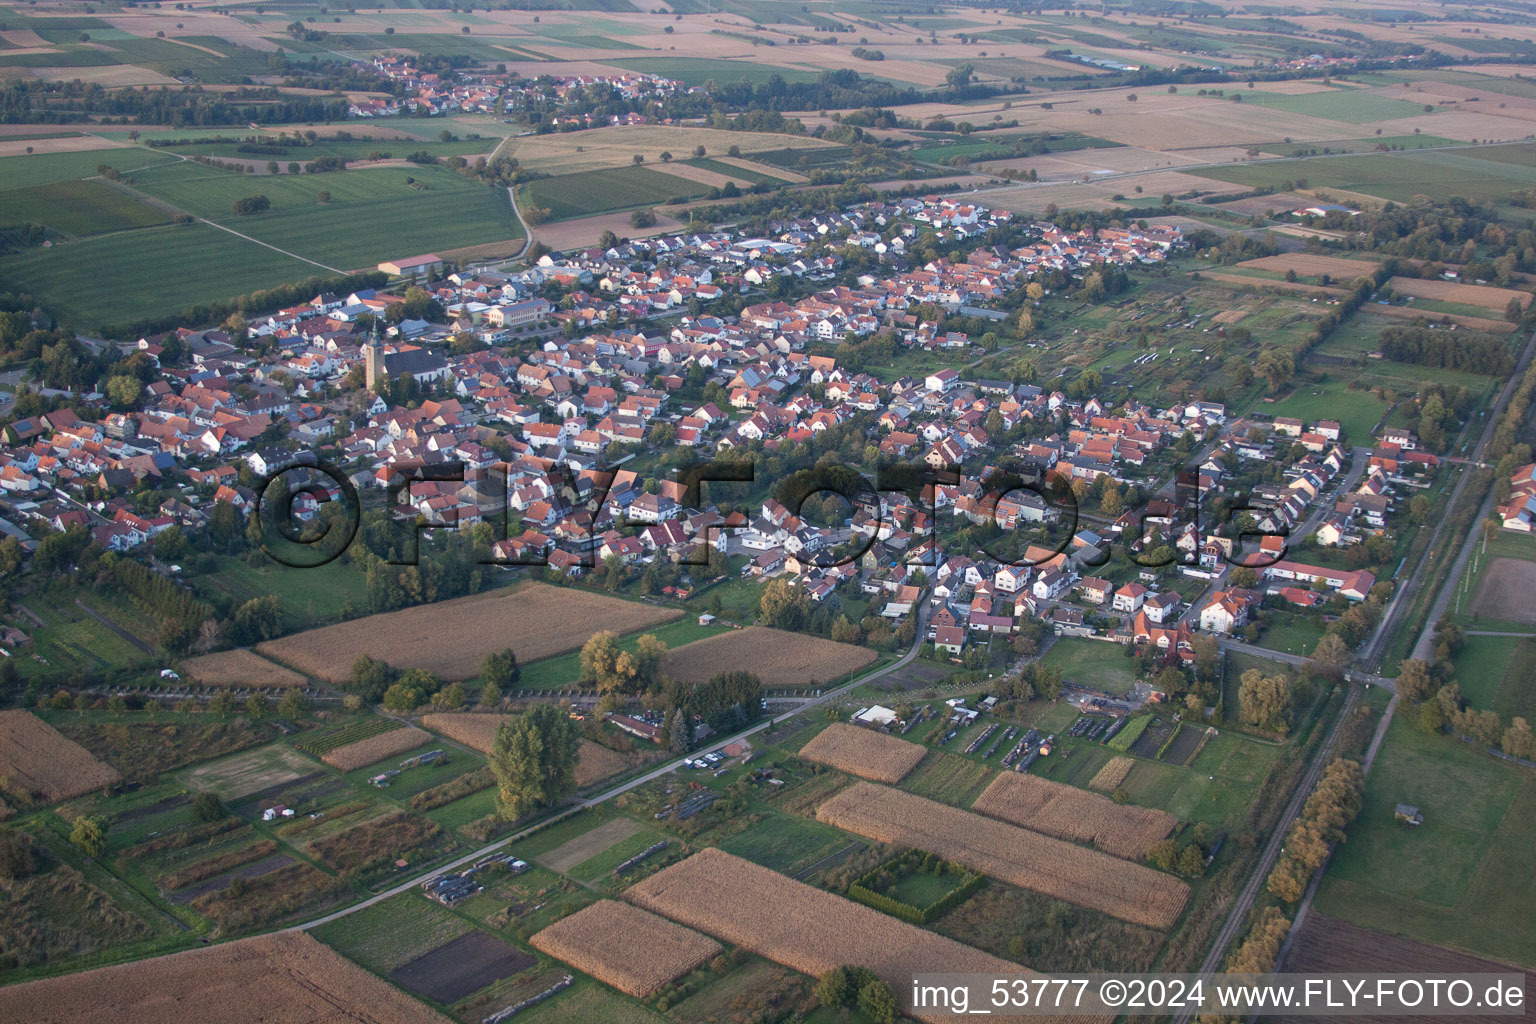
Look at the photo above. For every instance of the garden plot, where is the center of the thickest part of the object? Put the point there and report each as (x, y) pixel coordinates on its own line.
(461, 967)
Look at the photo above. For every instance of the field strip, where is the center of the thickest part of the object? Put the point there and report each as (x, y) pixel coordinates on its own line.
(588, 845)
(805, 928)
(793, 177)
(1009, 853)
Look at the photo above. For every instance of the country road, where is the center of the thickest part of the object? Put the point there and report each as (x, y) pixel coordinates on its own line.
(625, 787)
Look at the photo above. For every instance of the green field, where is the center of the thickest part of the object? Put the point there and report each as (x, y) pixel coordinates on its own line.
(373, 214)
(77, 208)
(1092, 663)
(1457, 880)
(583, 194)
(786, 843)
(1398, 176)
(951, 778)
(149, 272)
(41, 168)
(1350, 105)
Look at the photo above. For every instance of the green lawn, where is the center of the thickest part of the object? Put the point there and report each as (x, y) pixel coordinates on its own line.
(1357, 412)
(1459, 879)
(1481, 667)
(1092, 663)
(1517, 689)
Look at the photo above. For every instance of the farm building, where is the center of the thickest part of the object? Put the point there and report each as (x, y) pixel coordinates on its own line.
(1408, 815)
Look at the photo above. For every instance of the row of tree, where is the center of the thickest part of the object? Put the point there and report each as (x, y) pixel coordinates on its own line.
(1327, 813)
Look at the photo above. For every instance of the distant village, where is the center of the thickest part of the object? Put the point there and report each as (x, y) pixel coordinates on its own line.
(489, 92)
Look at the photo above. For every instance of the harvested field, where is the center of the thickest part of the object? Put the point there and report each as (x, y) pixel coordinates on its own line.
(1505, 591)
(802, 927)
(774, 656)
(1476, 323)
(1229, 316)
(38, 764)
(1323, 944)
(701, 175)
(287, 977)
(1067, 812)
(588, 845)
(1263, 284)
(240, 667)
(1312, 264)
(1008, 853)
(594, 762)
(631, 949)
(462, 967)
(616, 147)
(1112, 774)
(1466, 294)
(451, 638)
(863, 752)
(352, 756)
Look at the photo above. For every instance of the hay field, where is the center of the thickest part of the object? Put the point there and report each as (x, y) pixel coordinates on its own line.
(38, 763)
(451, 638)
(284, 977)
(1066, 812)
(774, 656)
(631, 949)
(594, 762)
(701, 175)
(1466, 294)
(1112, 774)
(240, 667)
(864, 752)
(617, 146)
(1008, 853)
(352, 756)
(804, 928)
(1313, 264)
